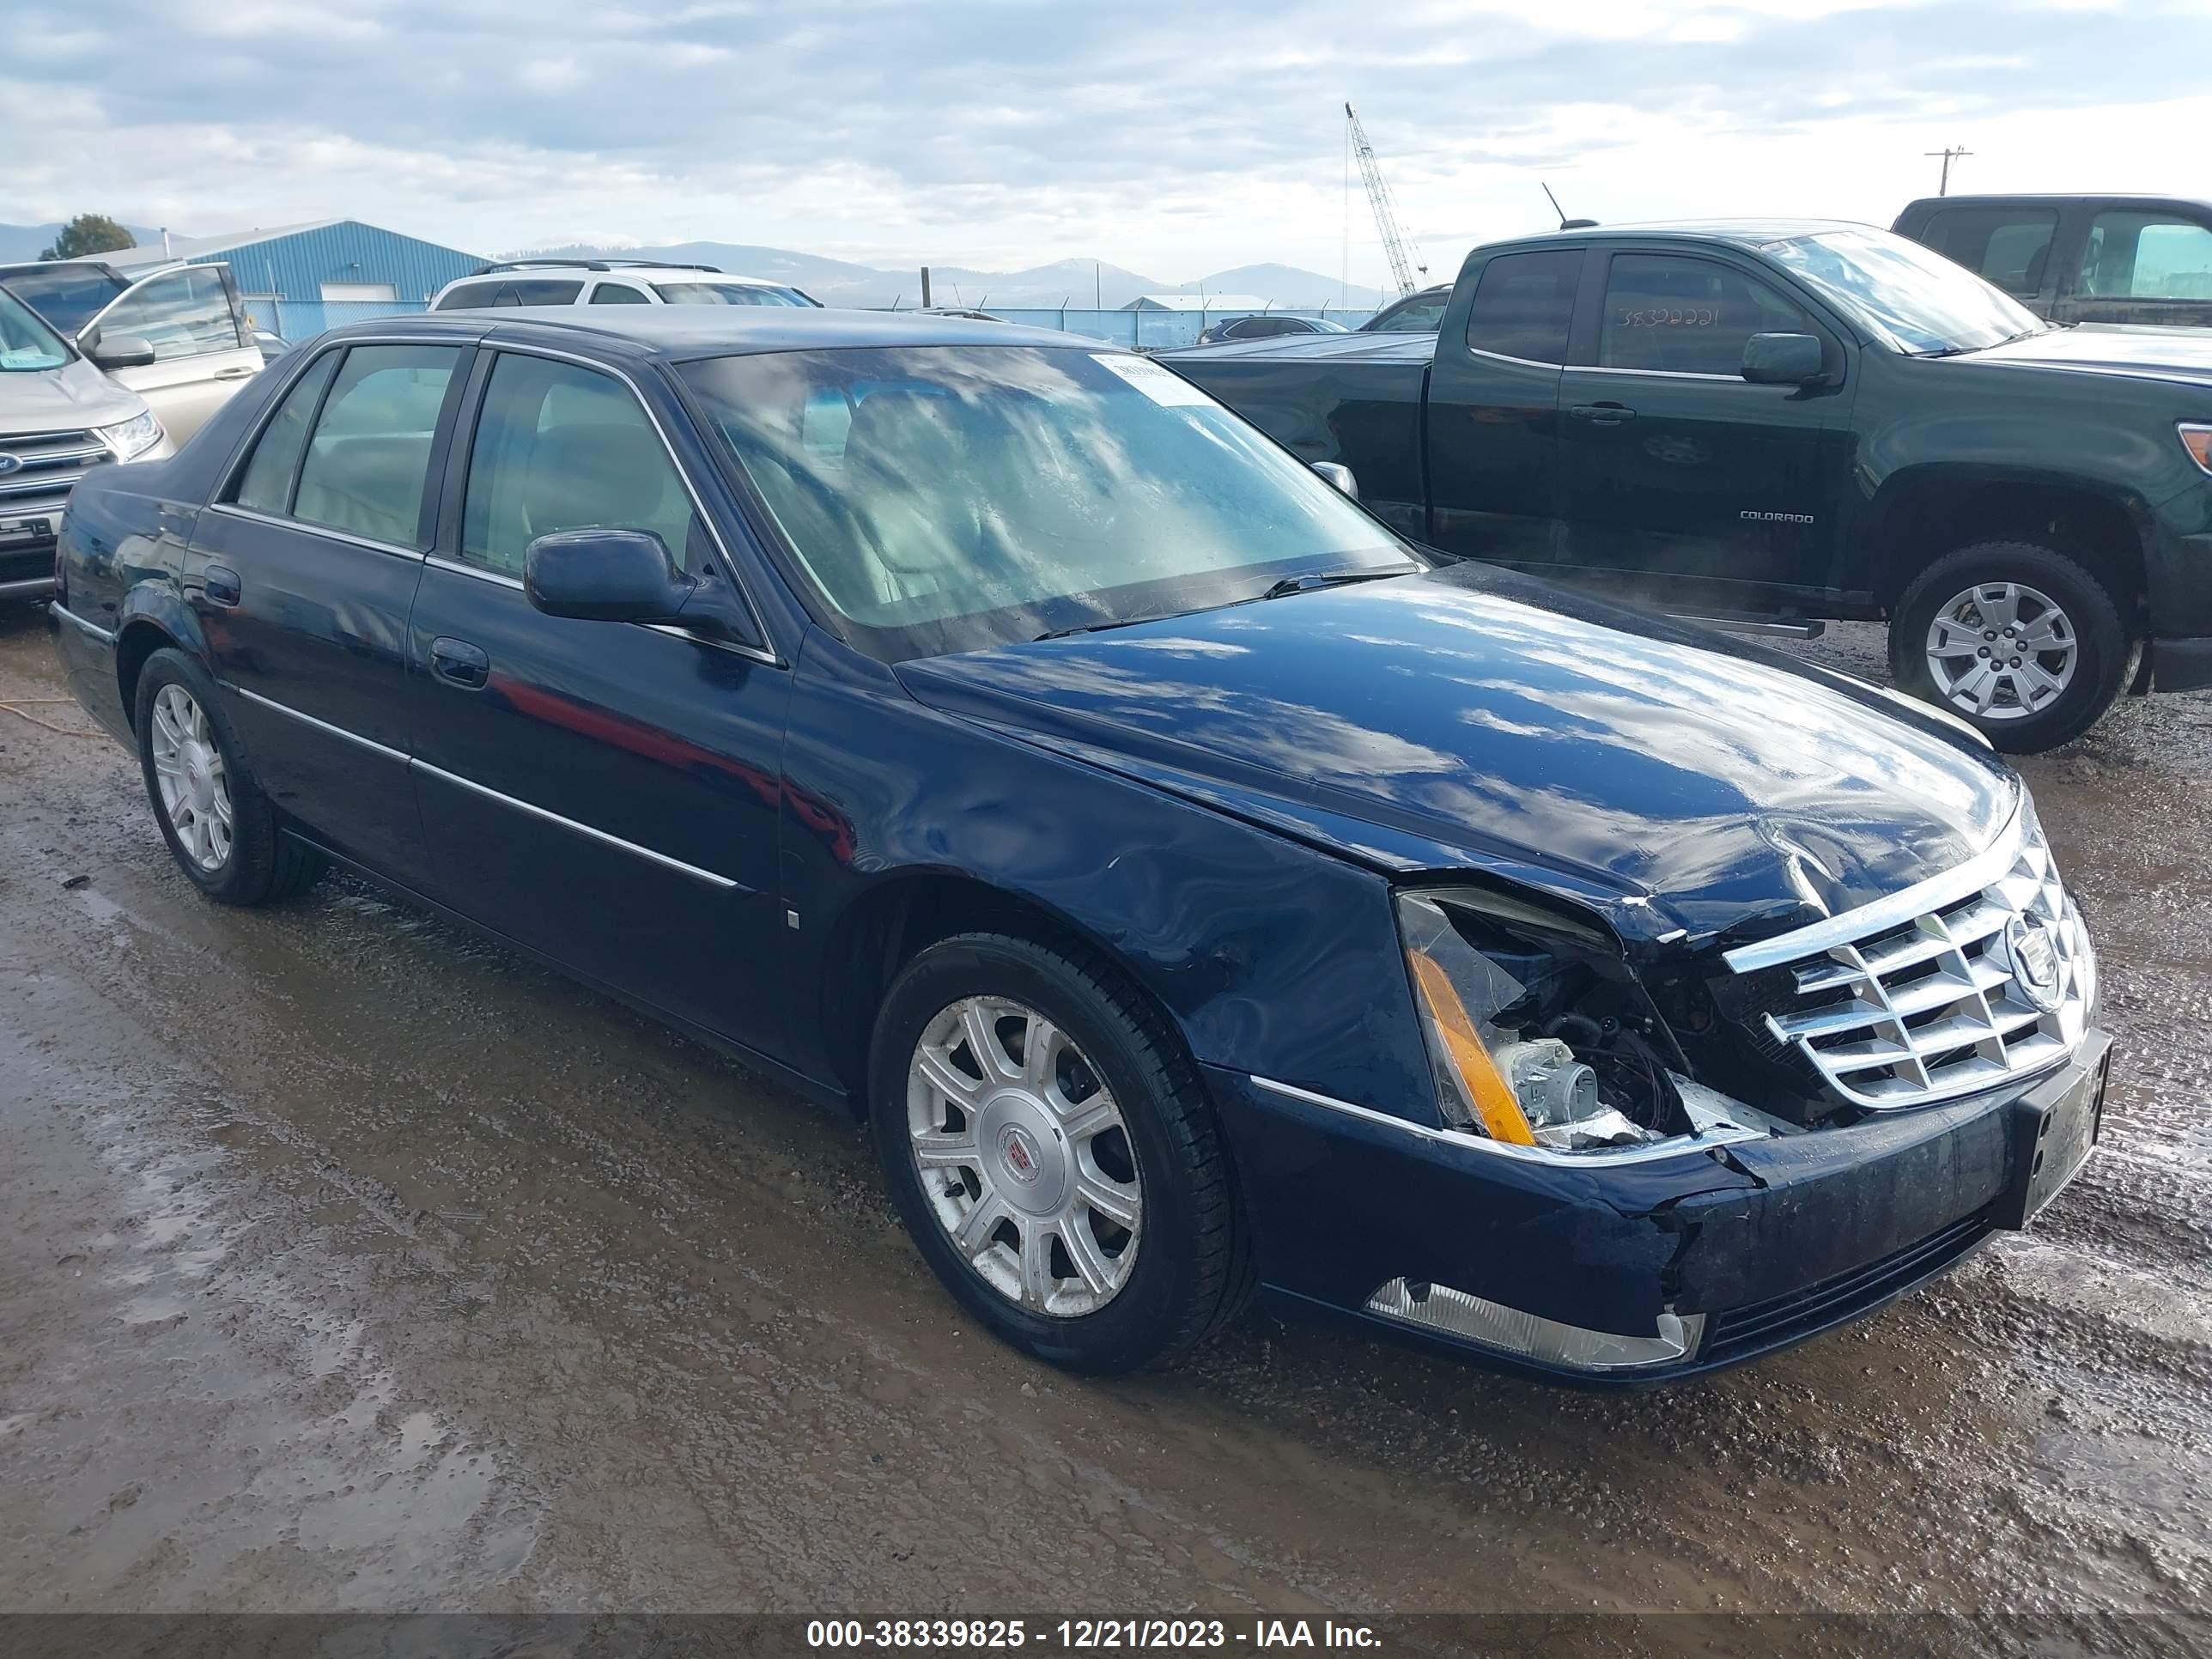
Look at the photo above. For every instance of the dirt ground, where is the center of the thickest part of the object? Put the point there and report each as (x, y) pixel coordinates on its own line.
(348, 1263)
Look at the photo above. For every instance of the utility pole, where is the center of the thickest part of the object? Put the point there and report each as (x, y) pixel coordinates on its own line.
(1943, 188)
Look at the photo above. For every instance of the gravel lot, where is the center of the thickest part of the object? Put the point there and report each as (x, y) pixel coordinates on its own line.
(346, 1262)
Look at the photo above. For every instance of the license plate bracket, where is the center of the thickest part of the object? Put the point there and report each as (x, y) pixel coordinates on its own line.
(2056, 1125)
(25, 530)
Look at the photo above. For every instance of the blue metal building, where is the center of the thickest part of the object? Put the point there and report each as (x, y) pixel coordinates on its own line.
(302, 279)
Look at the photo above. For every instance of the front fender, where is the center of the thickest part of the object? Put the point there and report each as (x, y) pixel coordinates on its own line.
(1272, 956)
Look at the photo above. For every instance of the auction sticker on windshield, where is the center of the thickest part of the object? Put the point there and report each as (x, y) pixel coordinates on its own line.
(1163, 386)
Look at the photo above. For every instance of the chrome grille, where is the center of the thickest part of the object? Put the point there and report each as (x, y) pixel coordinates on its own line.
(46, 465)
(1970, 979)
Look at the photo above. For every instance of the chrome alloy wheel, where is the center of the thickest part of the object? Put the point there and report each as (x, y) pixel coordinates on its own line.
(1024, 1156)
(189, 770)
(2001, 651)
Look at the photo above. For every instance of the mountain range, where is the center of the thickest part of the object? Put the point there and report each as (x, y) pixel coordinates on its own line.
(1077, 283)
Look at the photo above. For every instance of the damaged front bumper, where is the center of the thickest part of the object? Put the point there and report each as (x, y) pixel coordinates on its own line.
(1663, 1260)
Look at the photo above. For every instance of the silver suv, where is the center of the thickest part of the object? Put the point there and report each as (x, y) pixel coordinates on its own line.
(190, 316)
(611, 282)
(60, 417)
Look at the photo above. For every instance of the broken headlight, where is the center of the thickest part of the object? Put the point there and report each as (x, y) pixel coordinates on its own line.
(1538, 1033)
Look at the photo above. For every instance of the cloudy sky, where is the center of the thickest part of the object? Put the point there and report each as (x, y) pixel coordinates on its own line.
(1173, 139)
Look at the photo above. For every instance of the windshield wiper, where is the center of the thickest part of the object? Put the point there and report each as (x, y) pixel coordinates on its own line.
(1321, 579)
(1116, 622)
(1306, 584)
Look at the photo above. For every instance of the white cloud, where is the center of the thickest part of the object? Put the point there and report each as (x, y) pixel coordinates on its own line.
(1012, 134)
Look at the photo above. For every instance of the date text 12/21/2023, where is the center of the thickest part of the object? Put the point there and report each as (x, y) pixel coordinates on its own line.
(1087, 1635)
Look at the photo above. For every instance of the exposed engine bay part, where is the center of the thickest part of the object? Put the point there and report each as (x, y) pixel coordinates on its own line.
(1539, 1033)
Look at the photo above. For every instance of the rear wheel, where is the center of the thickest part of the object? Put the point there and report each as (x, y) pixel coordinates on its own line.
(212, 813)
(1054, 1155)
(2020, 641)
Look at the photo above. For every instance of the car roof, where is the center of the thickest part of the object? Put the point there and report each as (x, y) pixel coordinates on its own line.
(677, 333)
(1743, 232)
(557, 271)
(1981, 198)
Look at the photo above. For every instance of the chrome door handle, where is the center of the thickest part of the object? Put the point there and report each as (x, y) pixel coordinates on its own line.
(235, 374)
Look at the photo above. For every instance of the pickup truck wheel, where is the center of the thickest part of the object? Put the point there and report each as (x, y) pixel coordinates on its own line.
(2020, 641)
(1055, 1156)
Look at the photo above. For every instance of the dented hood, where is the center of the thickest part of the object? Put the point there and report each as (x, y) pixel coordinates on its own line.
(1671, 778)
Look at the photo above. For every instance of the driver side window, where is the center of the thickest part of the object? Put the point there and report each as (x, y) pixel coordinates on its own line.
(1681, 316)
(180, 314)
(559, 447)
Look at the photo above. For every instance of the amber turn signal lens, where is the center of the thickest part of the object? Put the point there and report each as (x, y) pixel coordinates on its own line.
(1485, 1090)
(2198, 440)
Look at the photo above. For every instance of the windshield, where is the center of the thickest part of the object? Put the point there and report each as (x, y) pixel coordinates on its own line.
(27, 342)
(67, 295)
(948, 498)
(1912, 298)
(729, 294)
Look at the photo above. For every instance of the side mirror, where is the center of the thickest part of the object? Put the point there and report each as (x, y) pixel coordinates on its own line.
(1782, 359)
(119, 351)
(604, 576)
(1338, 475)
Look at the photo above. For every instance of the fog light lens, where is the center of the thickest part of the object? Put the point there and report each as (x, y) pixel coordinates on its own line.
(1525, 1335)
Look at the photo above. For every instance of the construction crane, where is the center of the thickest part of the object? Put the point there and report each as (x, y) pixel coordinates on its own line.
(1404, 258)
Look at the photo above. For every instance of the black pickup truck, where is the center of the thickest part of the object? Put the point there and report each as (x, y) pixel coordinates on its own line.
(2079, 258)
(1784, 422)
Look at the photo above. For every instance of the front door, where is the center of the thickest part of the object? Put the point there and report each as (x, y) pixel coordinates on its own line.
(2142, 266)
(1680, 483)
(202, 351)
(606, 793)
(303, 571)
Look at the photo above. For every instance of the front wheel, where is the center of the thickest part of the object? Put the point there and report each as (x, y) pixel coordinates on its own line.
(1054, 1155)
(2021, 642)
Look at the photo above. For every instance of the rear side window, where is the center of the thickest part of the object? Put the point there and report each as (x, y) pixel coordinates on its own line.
(1423, 314)
(511, 291)
(1523, 304)
(67, 295)
(723, 294)
(266, 483)
(562, 448)
(1684, 316)
(2009, 246)
(618, 294)
(367, 465)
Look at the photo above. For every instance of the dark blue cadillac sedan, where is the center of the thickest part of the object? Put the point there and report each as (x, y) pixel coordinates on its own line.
(1194, 885)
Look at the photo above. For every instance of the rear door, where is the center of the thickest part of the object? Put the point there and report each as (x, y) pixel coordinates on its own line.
(606, 793)
(303, 571)
(1493, 409)
(1681, 482)
(2150, 263)
(203, 349)
(2016, 246)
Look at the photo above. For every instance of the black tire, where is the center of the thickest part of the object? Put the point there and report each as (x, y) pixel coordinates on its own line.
(2105, 654)
(264, 865)
(1194, 1269)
